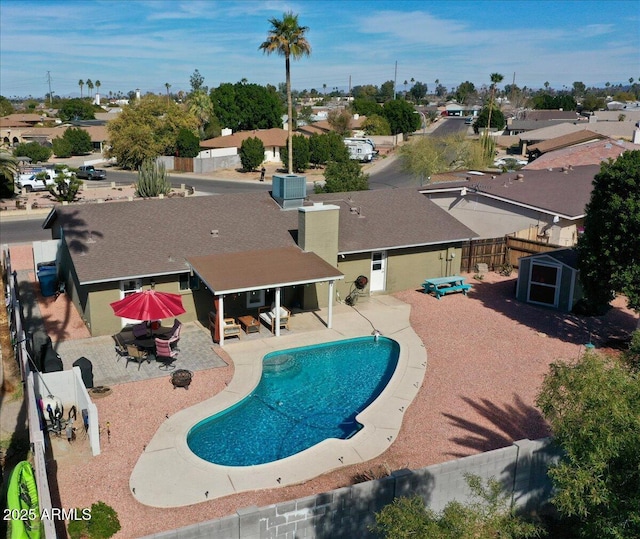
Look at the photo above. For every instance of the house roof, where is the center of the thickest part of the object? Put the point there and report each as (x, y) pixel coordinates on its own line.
(591, 153)
(610, 129)
(248, 270)
(561, 191)
(20, 120)
(570, 139)
(269, 137)
(384, 219)
(125, 240)
(549, 114)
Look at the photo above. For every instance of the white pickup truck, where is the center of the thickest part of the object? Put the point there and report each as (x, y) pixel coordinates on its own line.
(31, 182)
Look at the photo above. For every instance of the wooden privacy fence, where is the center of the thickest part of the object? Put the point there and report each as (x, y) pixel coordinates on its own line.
(498, 251)
(183, 164)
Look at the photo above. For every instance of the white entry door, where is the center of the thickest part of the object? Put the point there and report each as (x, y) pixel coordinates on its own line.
(378, 271)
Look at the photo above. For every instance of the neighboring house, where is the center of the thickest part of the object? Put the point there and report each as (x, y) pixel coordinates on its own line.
(274, 140)
(590, 153)
(571, 139)
(545, 205)
(243, 251)
(323, 126)
(550, 279)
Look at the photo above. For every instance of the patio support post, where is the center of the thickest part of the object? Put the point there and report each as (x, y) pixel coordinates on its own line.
(278, 312)
(220, 318)
(330, 313)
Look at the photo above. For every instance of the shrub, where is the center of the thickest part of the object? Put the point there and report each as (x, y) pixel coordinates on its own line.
(61, 147)
(187, 144)
(104, 523)
(152, 180)
(33, 150)
(251, 153)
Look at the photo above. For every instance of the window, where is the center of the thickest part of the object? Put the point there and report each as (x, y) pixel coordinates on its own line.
(189, 282)
(255, 298)
(543, 284)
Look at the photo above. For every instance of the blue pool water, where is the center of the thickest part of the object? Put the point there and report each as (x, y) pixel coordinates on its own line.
(305, 395)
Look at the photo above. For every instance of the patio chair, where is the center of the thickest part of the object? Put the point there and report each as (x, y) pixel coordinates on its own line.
(120, 347)
(231, 328)
(268, 316)
(165, 354)
(173, 332)
(136, 354)
(140, 331)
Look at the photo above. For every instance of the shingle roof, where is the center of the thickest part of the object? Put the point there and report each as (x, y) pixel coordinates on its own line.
(285, 266)
(269, 137)
(577, 137)
(391, 218)
(556, 191)
(567, 256)
(120, 240)
(592, 153)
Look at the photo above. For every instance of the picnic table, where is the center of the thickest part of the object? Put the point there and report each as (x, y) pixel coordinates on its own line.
(445, 285)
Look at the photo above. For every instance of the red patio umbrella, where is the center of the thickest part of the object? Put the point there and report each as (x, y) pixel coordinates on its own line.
(149, 305)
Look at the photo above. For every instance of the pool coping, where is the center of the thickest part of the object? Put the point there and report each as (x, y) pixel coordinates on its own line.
(168, 474)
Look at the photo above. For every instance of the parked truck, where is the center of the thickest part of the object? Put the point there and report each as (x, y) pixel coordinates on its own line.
(89, 172)
(361, 149)
(39, 181)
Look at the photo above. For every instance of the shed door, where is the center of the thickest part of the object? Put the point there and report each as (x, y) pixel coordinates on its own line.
(378, 271)
(544, 284)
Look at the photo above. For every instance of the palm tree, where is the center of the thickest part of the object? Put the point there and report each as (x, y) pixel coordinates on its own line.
(89, 84)
(81, 84)
(8, 164)
(496, 78)
(324, 87)
(98, 84)
(167, 86)
(287, 38)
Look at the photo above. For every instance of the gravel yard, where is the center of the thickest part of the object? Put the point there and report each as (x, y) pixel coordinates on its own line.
(487, 355)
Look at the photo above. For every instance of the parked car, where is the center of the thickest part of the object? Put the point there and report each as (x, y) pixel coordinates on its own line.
(510, 162)
(89, 172)
(32, 182)
(469, 120)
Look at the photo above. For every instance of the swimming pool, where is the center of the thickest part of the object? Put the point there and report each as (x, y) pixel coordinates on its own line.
(305, 395)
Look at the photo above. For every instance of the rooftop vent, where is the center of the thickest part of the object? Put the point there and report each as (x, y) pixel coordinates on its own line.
(520, 177)
(215, 233)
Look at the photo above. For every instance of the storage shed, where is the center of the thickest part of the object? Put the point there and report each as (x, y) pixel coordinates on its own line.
(550, 279)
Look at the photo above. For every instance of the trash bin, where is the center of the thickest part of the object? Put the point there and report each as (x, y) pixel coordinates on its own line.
(48, 278)
(86, 371)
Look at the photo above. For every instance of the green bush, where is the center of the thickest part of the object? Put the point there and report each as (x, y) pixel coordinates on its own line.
(62, 147)
(187, 144)
(301, 154)
(104, 523)
(632, 356)
(251, 153)
(36, 152)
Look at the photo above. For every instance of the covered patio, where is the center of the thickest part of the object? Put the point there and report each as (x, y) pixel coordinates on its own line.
(254, 273)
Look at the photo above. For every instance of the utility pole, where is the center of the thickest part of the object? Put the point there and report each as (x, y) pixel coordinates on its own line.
(50, 94)
(395, 78)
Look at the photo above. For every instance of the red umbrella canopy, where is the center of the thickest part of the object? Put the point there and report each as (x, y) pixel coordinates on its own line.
(149, 305)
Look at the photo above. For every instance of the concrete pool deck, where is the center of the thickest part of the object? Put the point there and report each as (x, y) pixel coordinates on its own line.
(168, 474)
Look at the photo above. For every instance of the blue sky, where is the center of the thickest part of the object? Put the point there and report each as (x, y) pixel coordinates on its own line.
(129, 44)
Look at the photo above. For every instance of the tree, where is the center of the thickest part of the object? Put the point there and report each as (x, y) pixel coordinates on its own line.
(341, 177)
(491, 516)
(187, 144)
(609, 249)
(387, 91)
(366, 106)
(79, 140)
(76, 109)
(251, 153)
(34, 151)
(66, 187)
(401, 116)
(593, 408)
(6, 107)
(244, 107)
(81, 84)
(197, 83)
(496, 78)
(167, 86)
(484, 117)
(376, 125)
(340, 121)
(200, 107)
(318, 149)
(146, 129)
(152, 179)
(418, 92)
(8, 171)
(300, 160)
(89, 84)
(306, 115)
(579, 88)
(98, 84)
(464, 90)
(104, 523)
(61, 148)
(287, 38)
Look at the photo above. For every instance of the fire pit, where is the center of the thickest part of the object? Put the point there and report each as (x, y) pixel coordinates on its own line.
(181, 378)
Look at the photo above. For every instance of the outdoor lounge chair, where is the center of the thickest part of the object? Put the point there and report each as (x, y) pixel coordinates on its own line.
(165, 354)
(231, 328)
(136, 354)
(268, 316)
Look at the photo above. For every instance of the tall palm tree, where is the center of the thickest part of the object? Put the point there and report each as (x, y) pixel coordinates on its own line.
(8, 165)
(496, 78)
(89, 84)
(167, 86)
(81, 84)
(287, 38)
(98, 84)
